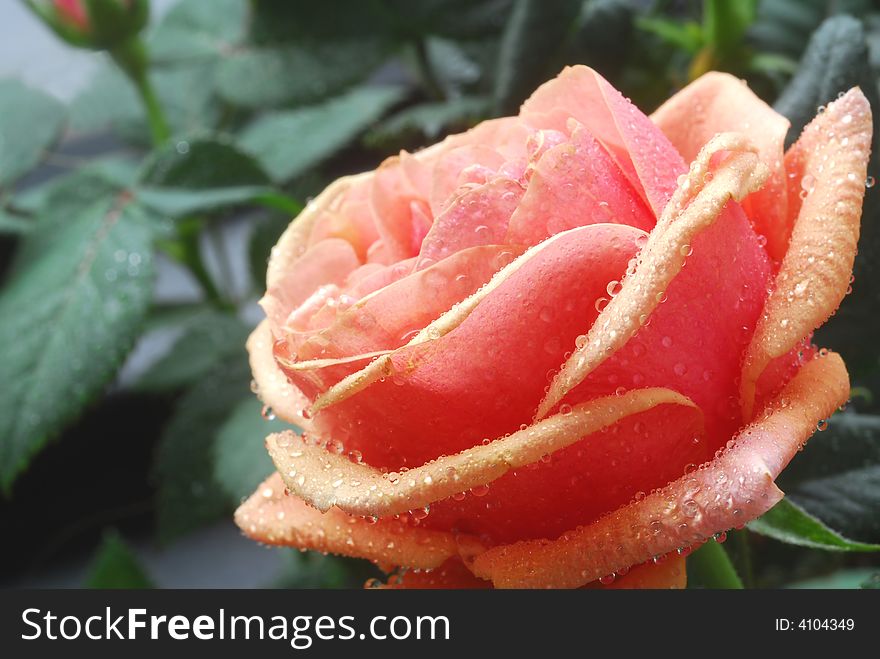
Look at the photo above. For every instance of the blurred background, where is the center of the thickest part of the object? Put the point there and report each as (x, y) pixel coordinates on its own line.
(152, 152)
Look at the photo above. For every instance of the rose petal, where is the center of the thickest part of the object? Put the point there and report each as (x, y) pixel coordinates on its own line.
(400, 209)
(695, 206)
(717, 103)
(605, 244)
(816, 270)
(728, 491)
(293, 242)
(476, 217)
(325, 479)
(272, 385)
(328, 262)
(451, 575)
(274, 518)
(390, 316)
(670, 573)
(574, 184)
(450, 165)
(641, 151)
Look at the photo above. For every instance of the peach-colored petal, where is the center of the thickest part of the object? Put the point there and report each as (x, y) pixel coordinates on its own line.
(387, 318)
(696, 205)
(833, 153)
(272, 517)
(325, 479)
(272, 385)
(573, 184)
(728, 491)
(327, 262)
(718, 103)
(293, 242)
(448, 169)
(670, 573)
(451, 575)
(360, 380)
(400, 209)
(638, 147)
(478, 216)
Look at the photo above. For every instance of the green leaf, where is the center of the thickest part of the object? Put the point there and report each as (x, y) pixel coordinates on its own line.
(116, 566)
(604, 36)
(789, 523)
(63, 197)
(836, 59)
(201, 163)
(207, 339)
(456, 19)
(203, 174)
(288, 143)
(177, 203)
(30, 122)
(67, 320)
(12, 224)
(241, 462)
(73, 192)
(837, 477)
(711, 567)
(188, 494)
(260, 78)
(785, 26)
(535, 31)
(194, 29)
(430, 120)
(849, 579)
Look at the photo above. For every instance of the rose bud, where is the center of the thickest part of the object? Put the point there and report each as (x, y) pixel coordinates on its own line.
(560, 349)
(95, 24)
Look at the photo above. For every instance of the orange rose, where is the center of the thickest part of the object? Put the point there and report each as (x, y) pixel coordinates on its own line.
(546, 351)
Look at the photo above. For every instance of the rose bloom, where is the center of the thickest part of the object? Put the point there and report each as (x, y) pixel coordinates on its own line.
(548, 352)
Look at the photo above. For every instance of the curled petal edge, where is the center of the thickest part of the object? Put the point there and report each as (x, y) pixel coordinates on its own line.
(695, 205)
(273, 517)
(815, 272)
(726, 492)
(325, 479)
(272, 386)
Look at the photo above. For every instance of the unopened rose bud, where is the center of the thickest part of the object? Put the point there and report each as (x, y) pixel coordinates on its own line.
(95, 24)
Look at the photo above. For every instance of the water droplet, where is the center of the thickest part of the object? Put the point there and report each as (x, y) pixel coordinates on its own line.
(613, 287)
(822, 425)
(480, 490)
(869, 182)
(565, 409)
(267, 413)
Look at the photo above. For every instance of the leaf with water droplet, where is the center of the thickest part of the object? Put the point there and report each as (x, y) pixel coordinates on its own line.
(67, 319)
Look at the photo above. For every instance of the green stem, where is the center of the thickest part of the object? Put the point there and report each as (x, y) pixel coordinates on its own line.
(185, 250)
(132, 58)
(713, 568)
